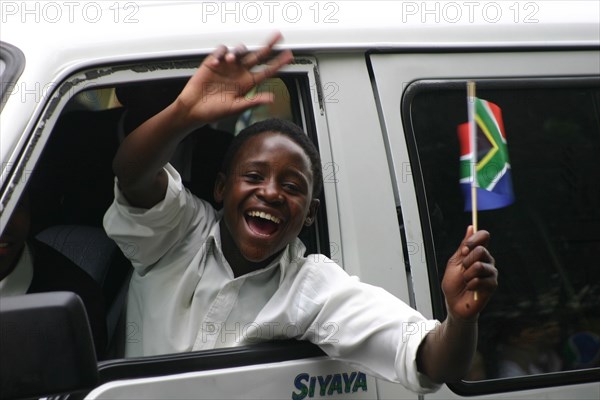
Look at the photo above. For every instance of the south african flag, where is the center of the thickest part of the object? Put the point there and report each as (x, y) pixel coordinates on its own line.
(493, 180)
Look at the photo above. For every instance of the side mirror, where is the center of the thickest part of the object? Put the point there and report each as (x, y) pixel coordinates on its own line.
(46, 346)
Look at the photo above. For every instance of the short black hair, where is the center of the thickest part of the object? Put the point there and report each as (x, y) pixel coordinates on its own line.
(288, 129)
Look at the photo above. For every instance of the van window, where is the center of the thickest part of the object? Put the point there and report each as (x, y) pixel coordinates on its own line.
(92, 124)
(545, 315)
(72, 184)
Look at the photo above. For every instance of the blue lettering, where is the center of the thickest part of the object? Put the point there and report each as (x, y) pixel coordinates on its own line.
(311, 388)
(306, 385)
(324, 383)
(361, 382)
(336, 385)
(299, 384)
(348, 381)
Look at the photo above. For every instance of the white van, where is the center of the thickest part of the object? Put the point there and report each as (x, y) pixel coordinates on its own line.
(380, 88)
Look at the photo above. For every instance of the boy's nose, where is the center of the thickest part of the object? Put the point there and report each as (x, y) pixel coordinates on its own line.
(270, 192)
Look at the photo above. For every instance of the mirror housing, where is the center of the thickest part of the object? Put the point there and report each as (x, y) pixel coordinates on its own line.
(46, 346)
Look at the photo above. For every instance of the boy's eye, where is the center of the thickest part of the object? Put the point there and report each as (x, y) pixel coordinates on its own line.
(253, 177)
(291, 187)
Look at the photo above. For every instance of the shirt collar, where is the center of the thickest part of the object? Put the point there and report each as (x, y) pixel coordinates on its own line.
(19, 280)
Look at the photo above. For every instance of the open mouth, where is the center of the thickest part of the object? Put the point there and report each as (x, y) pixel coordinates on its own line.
(262, 223)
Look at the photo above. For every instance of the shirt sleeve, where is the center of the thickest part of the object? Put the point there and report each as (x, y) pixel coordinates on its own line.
(364, 325)
(145, 235)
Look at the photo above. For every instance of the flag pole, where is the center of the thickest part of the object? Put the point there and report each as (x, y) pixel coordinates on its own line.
(473, 140)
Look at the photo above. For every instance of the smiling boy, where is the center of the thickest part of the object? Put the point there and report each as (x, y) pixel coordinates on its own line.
(260, 219)
(205, 279)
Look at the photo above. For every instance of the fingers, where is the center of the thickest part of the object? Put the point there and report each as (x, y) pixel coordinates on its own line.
(217, 56)
(473, 256)
(262, 98)
(479, 269)
(471, 241)
(273, 66)
(240, 51)
(254, 58)
(263, 53)
(481, 277)
(480, 272)
(250, 59)
(479, 253)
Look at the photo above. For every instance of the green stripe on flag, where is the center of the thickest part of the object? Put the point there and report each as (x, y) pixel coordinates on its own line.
(491, 167)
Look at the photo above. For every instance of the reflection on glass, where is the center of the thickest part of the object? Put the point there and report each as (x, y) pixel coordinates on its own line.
(545, 316)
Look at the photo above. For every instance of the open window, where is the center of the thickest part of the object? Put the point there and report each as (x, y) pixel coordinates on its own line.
(71, 185)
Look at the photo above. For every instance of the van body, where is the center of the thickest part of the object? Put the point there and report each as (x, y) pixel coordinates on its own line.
(381, 89)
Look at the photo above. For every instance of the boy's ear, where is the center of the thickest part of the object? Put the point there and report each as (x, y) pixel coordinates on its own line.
(219, 189)
(312, 212)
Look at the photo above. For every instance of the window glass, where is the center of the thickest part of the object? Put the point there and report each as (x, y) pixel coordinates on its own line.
(280, 108)
(108, 98)
(94, 100)
(545, 315)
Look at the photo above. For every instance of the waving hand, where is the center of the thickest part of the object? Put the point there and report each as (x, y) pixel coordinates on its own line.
(220, 85)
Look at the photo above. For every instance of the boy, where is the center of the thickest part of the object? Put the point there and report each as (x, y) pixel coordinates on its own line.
(207, 279)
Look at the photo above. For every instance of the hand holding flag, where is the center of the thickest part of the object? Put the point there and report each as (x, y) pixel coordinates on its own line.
(470, 269)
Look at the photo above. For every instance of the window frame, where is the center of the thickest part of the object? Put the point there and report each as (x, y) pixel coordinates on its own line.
(495, 385)
(302, 71)
(14, 63)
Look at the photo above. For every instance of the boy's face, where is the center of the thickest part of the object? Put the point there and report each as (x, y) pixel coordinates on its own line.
(267, 195)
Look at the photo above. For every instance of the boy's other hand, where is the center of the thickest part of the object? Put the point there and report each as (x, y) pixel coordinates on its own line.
(470, 269)
(219, 87)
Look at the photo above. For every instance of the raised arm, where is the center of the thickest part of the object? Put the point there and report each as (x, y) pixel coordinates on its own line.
(446, 353)
(217, 89)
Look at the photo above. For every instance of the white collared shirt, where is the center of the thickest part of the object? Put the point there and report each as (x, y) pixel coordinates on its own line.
(183, 295)
(18, 281)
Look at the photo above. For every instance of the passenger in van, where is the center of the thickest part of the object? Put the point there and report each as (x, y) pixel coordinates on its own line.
(207, 279)
(29, 266)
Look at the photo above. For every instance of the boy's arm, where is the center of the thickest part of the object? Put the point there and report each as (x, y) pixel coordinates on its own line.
(216, 90)
(446, 353)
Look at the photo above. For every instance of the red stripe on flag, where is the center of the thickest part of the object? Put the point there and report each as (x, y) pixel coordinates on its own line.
(464, 139)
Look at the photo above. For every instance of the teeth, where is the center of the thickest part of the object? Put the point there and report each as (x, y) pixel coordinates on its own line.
(264, 215)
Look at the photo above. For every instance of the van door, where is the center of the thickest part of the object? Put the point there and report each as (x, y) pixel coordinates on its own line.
(70, 163)
(539, 336)
(253, 379)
